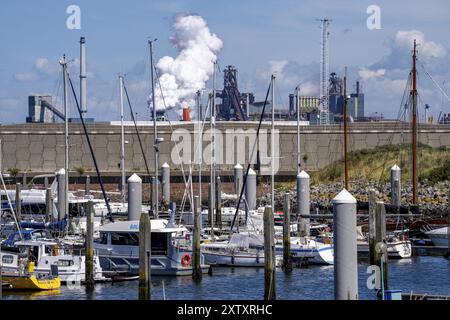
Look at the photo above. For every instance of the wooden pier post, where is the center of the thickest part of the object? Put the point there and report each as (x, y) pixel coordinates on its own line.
(24, 180)
(287, 261)
(61, 178)
(448, 226)
(145, 256)
(372, 219)
(218, 203)
(48, 205)
(87, 186)
(89, 244)
(211, 208)
(380, 237)
(18, 202)
(154, 203)
(196, 267)
(269, 256)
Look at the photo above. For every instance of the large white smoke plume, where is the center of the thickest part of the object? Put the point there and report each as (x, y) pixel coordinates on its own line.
(183, 76)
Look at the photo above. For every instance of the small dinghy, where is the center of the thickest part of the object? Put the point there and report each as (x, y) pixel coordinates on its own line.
(28, 280)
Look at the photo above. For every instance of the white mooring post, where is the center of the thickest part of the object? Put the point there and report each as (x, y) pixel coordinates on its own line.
(303, 202)
(345, 247)
(250, 190)
(396, 196)
(238, 178)
(165, 173)
(134, 197)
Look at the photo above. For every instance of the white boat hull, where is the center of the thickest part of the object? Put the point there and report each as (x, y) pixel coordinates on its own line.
(439, 237)
(396, 250)
(306, 254)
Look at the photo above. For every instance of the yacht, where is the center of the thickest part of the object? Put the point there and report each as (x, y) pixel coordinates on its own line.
(247, 250)
(118, 249)
(440, 237)
(45, 253)
(398, 246)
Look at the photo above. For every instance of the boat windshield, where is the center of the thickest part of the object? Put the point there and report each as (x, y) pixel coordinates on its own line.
(159, 240)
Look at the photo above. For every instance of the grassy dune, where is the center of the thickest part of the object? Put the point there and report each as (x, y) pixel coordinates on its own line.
(374, 164)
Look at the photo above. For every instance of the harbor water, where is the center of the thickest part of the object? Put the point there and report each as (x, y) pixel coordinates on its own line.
(420, 274)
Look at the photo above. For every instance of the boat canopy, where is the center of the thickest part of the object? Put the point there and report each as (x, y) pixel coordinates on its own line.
(34, 243)
(158, 225)
(246, 240)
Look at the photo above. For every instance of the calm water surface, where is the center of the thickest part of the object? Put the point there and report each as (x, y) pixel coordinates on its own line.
(425, 274)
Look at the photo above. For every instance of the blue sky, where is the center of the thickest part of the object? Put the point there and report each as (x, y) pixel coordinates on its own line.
(259, 37)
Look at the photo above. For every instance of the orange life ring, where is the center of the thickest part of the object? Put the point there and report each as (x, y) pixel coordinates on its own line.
(186, 260)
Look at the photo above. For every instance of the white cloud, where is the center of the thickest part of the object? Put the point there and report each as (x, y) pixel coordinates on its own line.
(43, 65)
(276, 68)
(309, 88)
(42, 68)
(401, 46)
(26, 77)
(427, 49)
(367, 74)
(9, 103)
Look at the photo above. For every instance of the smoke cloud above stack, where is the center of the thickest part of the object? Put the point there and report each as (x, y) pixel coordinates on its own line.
(183, 76)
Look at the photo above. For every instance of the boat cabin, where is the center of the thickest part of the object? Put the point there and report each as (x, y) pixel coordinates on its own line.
(123, 236)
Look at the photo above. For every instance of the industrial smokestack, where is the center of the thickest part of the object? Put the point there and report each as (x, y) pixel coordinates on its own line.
(83, 75)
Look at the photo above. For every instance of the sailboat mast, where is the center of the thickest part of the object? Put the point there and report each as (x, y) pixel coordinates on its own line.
(63, 63)
(345, 131)
(122, 145)
(297, 103)
(272, 144)
(155, 132)
(200, 149)
(414, 126)
(213, 152)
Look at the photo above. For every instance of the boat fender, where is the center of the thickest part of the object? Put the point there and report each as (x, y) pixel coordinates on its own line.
(186, 260)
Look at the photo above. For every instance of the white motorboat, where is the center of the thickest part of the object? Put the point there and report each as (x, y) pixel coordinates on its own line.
(440, 237)
(241, 250)
(309, 250)
(397, 249)
(247, 250)
(118, 249)
(45, 253)
(398, 246)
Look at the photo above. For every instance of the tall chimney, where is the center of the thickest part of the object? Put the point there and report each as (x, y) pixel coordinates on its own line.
(83, 75)
(357, 88)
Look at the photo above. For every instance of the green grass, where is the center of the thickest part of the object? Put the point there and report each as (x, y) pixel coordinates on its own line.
(374, 164)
